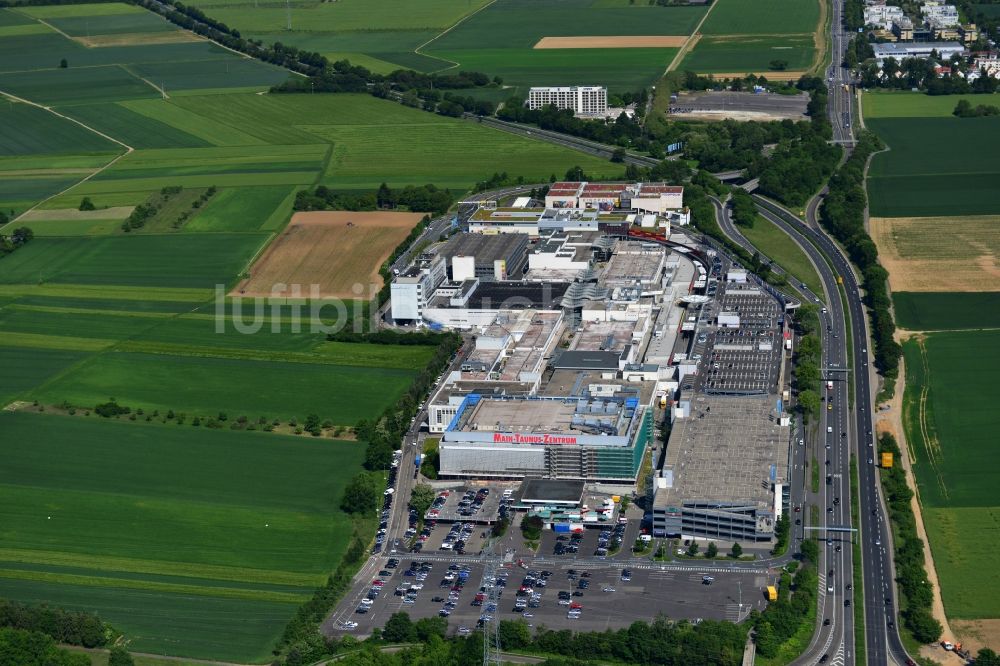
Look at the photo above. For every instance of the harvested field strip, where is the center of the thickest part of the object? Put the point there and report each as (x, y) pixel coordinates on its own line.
(138, 39)
(62, 342)
(154, 586)
(112, 292)
(610, 42)
(56, 309)
(340, 359)
(113, 213)
(162, 567)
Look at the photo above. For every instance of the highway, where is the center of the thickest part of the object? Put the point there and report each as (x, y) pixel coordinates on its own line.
(827, 445)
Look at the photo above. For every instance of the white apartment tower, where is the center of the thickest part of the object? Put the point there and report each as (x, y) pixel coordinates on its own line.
(582, 100)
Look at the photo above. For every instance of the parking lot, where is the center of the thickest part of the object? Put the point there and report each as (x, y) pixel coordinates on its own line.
(458, 521)
(601, 594)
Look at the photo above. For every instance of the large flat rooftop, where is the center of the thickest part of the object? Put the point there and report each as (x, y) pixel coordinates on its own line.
(570, 416)
(725, 451)
(634, 262)
(485, 248)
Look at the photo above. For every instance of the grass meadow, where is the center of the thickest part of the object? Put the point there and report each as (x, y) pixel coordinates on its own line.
(951, 423)
(923, 175)
(732, 55)
(779, 246)
(899, 104)
(195, 543)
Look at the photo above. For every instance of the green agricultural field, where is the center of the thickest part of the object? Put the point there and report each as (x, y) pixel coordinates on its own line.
(884, 104)
(89, 25)
(466, 151)
(951, 422)
(243, 209)
(142, 260)
(379, 141)
(780, 248)
(762, 17)
(623, 70)
(922, 175)
(344, 16)
(75, 86)
(24, 369)
(237, 386)
(132, 128)
(28, 130)
(732, 55)
(499, 41)
(946, 311)
(84, 9)
(193, 542)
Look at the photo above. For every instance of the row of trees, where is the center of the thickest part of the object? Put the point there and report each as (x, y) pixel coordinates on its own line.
(909, 550)
(427, 198)
(843, 215)
(67, 627)
(808, 360)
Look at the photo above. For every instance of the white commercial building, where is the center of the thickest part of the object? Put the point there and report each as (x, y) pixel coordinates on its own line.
(900, 52)
(411, 291)
(581, 100)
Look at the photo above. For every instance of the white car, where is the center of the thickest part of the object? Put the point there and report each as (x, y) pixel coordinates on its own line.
(349, 625)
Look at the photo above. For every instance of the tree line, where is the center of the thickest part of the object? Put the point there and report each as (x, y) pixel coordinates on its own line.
(964, 109)
(911, 576)
(842, 213)
(808, 355)
(424, 198)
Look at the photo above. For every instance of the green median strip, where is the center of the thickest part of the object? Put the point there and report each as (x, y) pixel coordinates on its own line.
(857, 571)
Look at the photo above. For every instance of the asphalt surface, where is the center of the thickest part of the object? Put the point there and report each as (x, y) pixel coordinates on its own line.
(883, 643)
(786, 106)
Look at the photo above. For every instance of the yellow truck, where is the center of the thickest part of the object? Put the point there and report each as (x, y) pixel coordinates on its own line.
(887, 459)
(772, 593)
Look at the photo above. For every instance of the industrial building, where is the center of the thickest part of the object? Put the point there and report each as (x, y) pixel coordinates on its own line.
(581, 100)
(411, 291)
(899, 51)
(473, 304)
(536, 221)
(655, 198)
(726, 470)
(593, 440)
(487, 258)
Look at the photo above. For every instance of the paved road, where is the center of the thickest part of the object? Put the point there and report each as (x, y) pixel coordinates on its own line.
(883, 643)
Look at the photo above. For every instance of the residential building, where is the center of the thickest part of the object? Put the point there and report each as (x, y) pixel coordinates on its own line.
(581, 100)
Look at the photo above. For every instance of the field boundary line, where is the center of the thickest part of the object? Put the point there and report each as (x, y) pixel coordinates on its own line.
(149, 83)
(445, 32)
(823, 46)
(128, 150)
(690, 43)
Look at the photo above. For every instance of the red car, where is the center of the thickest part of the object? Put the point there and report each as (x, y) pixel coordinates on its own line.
(576, 604)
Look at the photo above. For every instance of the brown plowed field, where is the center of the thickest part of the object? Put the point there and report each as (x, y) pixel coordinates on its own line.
(625, 42)
(339, 252)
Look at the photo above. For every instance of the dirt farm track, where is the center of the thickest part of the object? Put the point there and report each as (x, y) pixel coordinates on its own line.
(339, 252)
